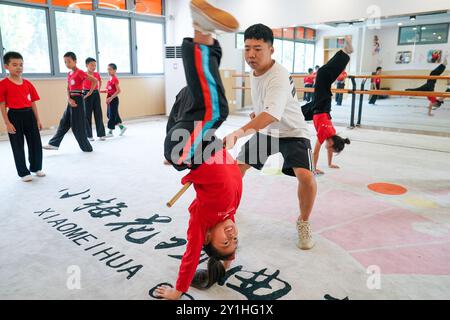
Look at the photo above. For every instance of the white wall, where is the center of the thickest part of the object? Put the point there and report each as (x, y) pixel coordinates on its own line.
(355, 32)
(284, 13)
(389, 47)
(178, 21)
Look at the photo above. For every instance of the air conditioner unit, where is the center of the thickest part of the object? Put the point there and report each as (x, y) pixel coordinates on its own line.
(175, 79)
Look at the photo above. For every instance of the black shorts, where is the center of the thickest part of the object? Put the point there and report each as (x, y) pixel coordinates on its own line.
(296, 152)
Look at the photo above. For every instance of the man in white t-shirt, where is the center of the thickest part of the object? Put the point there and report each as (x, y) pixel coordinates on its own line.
(279, 125)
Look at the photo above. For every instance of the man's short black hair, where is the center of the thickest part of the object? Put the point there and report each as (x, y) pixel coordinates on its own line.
(11, 55)
(310, 70)
(112, 65)
(70, 55)
(259, 32)
(379, 68)
(89, 60)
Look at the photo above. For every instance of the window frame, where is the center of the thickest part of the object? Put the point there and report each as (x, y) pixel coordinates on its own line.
(37, 6)
(419, 27)
(131, 16)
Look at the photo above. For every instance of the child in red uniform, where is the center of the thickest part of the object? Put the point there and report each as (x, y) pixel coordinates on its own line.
(340, 84)
(74, 116)
(319, 109)
(22, 120)
(430, 84)
(93, 104)
(199, 110)
(375, 85)
(112, 101)
(309, 83)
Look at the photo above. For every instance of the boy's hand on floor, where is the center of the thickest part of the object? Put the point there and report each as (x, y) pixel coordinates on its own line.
(168, 293)
(10, 128)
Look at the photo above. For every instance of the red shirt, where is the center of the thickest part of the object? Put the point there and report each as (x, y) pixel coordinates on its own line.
(75, 79)
(87, 83)
(342, 76)
(219, 189)
(111, 86)
(376, 80)
(324, 126)
(17, 96)
(308, 80)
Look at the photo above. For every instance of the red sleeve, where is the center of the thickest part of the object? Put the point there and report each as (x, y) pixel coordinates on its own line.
(33, 93)
(191, 258)
(116, 80)
(2, 92)
(99, 78)
(82, 75)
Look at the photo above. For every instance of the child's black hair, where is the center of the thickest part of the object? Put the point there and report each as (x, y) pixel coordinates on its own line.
(203, 279)
(89, 60)
(11, 55)
(70, 55)
(339, 143)
(310, 70)
(379, 68)
(259, 32)
(112, 65)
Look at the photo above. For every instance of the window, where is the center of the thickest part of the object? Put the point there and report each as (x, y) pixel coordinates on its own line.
(30, 40)
(114, 44)
(288, 55)
(304, 57)
(112, 4)
(299, 66)
(423, 34)
(149, 6)
(435, 33)
(84, 4)
(240, 43)
(149, 37)
(278, 50)
(74, 32)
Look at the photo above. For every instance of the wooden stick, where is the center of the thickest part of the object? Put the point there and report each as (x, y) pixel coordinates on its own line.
(178, 195)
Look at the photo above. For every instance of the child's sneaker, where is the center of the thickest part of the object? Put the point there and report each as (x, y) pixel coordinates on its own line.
(122, 131)
(305, 241)
(102, 138)
(109, 134)
(27, 178)
(208, 18)
(91, 139)
(40, 173)
(49, 147)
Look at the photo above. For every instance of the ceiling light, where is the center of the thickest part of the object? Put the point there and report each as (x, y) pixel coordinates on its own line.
(412, 18)
(399, 24)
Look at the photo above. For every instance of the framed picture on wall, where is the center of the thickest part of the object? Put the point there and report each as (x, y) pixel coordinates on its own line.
(434, 56)
(403, 57)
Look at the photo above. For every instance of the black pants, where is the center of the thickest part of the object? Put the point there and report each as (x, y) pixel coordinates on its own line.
(430, 84)
(93, 105)
(373, 98)
(200, 109)
(340, 96)
(26, 126)
(307, 95)
(113, 114)
(75, 118)
(325, 77)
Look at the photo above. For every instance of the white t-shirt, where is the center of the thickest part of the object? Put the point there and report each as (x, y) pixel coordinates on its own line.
(274, 92)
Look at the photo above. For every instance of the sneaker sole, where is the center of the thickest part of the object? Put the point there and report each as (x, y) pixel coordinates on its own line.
(208, 22)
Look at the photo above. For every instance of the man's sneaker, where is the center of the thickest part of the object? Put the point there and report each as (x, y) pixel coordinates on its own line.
(208, 18)
(50, 147)
(27, 178)
(40, 173)
(305, 241)
(102, 138)
(122, 131)
(91, 139)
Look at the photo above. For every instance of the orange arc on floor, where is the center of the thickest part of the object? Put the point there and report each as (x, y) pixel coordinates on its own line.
(387, 188)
